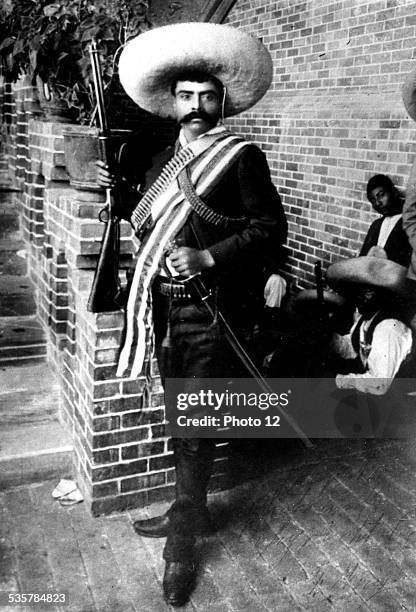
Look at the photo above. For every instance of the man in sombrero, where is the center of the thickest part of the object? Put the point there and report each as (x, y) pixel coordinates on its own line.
(379, 344)
(210, 209)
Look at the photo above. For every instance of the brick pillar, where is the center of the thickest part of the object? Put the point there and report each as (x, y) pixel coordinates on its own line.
(121, 455)
(122, 458)
(6, 114)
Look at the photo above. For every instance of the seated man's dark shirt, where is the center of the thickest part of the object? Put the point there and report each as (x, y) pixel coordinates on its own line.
(397, 246)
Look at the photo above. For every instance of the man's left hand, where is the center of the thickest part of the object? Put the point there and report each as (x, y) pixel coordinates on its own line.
(188, 261)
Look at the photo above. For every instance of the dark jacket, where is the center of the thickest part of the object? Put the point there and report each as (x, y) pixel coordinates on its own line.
(240, 253)
(397, 246)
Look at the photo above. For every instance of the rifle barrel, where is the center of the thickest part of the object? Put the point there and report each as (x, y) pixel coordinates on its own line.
(319, 283)
(106, 285)
(99, 88)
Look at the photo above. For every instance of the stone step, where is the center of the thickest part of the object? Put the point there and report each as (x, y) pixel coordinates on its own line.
(10, 226)
(8, 202)
(16, 356)
(21, 331)
(16, 296)
(33, 443)
(9, 207)
(22, 341)
(12, 257)
(9, 245)
(7, 189)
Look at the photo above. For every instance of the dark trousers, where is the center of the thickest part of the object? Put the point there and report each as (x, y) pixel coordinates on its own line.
(198, 350)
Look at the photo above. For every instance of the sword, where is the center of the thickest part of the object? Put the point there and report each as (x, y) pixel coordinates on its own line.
(204, 294)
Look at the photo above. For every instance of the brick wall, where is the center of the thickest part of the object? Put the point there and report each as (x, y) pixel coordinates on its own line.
(334, 115)
(6, 114)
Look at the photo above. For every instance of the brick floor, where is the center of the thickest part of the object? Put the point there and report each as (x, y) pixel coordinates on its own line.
(328, 529)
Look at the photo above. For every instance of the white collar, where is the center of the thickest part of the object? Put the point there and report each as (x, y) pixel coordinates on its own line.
(215, 130)
(393, 218)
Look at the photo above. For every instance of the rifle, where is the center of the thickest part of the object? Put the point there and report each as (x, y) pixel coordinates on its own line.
(320, 289)
(106, 284)
(323, 314)
(323, 321)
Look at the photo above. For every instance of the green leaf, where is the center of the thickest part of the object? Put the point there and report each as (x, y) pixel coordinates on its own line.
(6, 43)
(51, 9)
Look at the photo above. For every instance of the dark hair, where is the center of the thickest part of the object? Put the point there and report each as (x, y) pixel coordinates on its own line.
(197, 76)
(380, 180)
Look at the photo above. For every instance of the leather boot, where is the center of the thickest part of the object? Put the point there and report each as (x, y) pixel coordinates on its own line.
(158, 526)
(178, 582)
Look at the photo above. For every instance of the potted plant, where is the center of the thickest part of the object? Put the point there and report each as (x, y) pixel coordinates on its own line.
(23, 24)
(49, 40)
(13, 54)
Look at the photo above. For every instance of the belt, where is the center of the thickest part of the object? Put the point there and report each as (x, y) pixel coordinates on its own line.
(172, 289)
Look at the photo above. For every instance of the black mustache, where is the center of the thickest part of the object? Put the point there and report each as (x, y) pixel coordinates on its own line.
(196, 115)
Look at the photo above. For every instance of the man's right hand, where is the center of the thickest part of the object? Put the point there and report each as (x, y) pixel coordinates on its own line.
(105, 178)
(126, 198)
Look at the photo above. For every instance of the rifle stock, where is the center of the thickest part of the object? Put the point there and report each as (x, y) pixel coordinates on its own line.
(320, 298)
(105, 286)
(319, 284)
(322, 346)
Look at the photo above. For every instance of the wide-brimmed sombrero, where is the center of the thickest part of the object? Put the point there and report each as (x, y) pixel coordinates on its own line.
(409, 94)
(307, 297)
(370, 271)
(150, 62)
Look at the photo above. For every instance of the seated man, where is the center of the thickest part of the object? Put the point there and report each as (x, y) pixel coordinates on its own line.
(386, 236)
(379, 343)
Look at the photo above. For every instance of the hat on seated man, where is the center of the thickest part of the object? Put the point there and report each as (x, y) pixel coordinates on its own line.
(380, 341)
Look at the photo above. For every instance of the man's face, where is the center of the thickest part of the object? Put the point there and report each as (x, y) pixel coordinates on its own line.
(384, 202)
(197, 105)
(368, 301)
